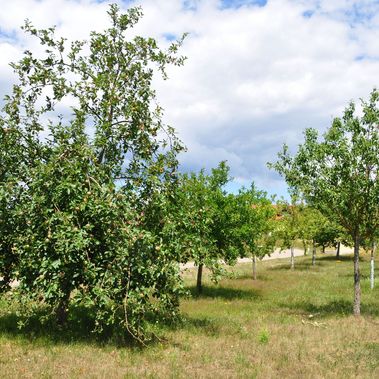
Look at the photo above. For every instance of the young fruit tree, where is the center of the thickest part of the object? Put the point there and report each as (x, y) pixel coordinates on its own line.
(319, 230)
(288, 227)
(310, 221)
(87, 188)
(338, 175)
(327, 234)
(253, 224)
(203, 221)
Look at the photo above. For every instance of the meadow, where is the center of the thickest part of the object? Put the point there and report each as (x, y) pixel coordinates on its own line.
(286, 324)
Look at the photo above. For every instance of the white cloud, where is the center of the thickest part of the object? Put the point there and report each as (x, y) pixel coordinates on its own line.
(255, 77)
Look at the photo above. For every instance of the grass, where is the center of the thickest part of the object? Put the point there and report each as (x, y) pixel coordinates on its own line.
(287, 324)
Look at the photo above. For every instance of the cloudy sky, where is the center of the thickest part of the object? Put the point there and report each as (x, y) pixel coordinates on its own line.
(258, 72)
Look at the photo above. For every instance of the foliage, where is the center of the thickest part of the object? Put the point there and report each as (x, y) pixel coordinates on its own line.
(204, 221)
(338, 175)
(220, 227)
(319, 230)
(328, 234)
(93, 187)
(288, 225)
(253, 219)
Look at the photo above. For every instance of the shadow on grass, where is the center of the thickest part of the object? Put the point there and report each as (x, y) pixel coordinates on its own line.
(333, 308)
(200, 325)
(79, 329)
(342, 258)
(225, 293)
(321, 261)
(81, 323)
(42, 328)
(299, 266)
(261, 277)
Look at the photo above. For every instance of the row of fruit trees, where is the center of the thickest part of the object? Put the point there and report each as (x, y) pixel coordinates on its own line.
(93, 209)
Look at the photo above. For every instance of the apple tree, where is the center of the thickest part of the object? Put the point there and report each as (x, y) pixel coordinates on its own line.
(253, 224)
(94, 172)
(204, 221)
(338, 175)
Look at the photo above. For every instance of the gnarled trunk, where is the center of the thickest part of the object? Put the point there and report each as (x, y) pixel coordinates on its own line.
(357, 279)
(62, 310)
(199, 278)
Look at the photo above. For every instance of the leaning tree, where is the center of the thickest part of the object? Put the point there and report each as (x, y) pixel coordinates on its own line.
(338, 175)
(93, 170)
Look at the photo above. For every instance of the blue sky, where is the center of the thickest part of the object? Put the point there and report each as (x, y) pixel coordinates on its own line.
(240, 3)
(258, 72)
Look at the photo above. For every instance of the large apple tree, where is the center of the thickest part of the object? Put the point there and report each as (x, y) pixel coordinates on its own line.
(87, 187)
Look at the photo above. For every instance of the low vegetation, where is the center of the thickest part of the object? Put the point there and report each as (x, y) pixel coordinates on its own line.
(284, 324)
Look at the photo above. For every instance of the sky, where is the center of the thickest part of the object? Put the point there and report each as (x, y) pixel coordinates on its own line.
(257, 72)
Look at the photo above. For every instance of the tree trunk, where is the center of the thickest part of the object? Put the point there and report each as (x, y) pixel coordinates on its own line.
(314, 254)
(199, 278)
(357, 283)
(62, 310)
(338, 250)
(323, 249)
(306, 248)
(5, 283)
(292, 258)
(372, 264)
(254, 267)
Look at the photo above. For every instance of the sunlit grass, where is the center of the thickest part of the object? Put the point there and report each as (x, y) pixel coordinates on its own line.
(287, 324)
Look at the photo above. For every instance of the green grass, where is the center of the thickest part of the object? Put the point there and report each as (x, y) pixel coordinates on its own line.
(287, 324)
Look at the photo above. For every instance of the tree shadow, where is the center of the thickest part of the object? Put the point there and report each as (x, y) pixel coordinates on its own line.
(79, 328)
(364, 275)
(342, 258)
(225, 293)
(261, 277)
(321, 260)
(42, 326)
(333, 308)
(299, 266)
(198, 325)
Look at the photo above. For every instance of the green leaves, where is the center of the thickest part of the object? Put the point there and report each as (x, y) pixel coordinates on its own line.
(86, 196)
(202, 221)
(339, 173)
(253, 222)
